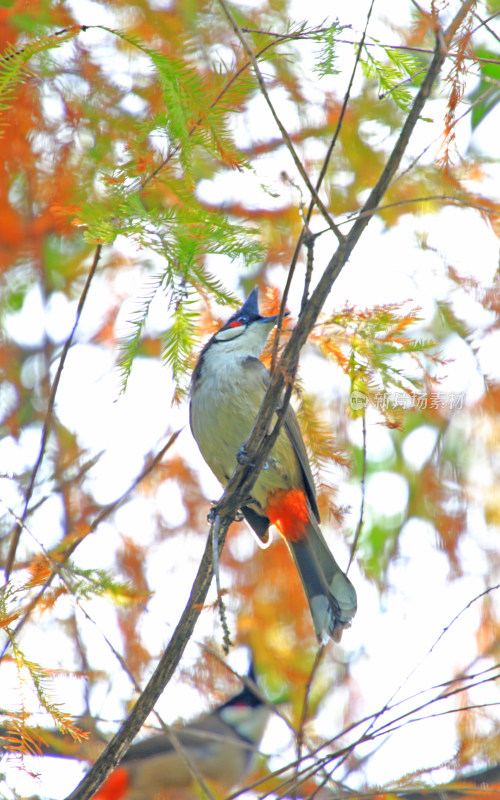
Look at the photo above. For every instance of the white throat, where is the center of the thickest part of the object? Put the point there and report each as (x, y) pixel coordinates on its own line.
(250, 342)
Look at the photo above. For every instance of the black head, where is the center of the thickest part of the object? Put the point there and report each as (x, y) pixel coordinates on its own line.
(247, 697)
(246, 316)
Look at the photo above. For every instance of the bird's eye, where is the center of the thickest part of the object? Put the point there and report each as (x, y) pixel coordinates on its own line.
(237, 322)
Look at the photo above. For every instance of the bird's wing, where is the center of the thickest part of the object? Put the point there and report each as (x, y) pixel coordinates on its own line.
(292, 428)
(152, 746)
(201, 734)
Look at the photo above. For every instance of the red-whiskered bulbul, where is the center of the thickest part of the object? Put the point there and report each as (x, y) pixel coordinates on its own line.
(227, 389)
(221, 746)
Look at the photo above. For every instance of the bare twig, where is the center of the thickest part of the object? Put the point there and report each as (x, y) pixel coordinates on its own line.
(483, 23)
(384, 45)
(343, 110)
(446, 690)
(363, 495)
(324, 167)
(436, 198)
(103, 514)
(286, 138)
(305, 706)
(220, 599)
(47, 425)
(482, 97)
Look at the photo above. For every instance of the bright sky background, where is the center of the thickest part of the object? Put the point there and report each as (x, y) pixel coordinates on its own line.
(388, 641)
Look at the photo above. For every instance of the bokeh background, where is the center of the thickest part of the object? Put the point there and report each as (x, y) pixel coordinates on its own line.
(140, 129)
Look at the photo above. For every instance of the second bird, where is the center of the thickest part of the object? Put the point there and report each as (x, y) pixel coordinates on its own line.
(227, 389)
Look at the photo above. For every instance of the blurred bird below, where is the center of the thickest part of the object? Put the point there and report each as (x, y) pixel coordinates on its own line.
(219, 747)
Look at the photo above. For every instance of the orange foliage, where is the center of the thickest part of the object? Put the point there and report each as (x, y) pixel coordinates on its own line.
(438, 494)
(40, 570)
(456, 77)
(131, 560)
(56, 166)
(272, 600)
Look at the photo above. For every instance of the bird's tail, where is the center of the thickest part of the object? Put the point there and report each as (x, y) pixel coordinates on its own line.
(330, 593)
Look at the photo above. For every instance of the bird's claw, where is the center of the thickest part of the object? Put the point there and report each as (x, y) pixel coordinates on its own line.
(242, 455)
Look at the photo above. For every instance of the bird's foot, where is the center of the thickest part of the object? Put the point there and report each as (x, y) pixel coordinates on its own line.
(212, 513)
(242, 455)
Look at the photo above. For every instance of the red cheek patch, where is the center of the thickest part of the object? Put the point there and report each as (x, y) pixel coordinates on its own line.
(287, 509)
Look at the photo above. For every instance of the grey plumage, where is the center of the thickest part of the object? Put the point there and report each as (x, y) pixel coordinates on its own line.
(227, 389)
(221, 746)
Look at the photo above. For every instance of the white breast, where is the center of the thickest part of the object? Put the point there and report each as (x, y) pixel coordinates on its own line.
(223, 408)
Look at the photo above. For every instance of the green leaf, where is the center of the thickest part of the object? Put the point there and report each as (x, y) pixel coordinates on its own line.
(392, 77)
(326, 56)
(178, 342)
(14, 60)
(487, 95)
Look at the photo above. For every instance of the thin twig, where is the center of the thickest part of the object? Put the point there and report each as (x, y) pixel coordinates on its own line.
(322, 762)
(47, 424)
(103, 514)
(446, 692)
(284, 133)
(405, 47)
(217, 99)
(363, 494)
(468, 110)
(343, 110)
(443, 198)
(484, 24)
(305, 706)
(305, 228)
(227, 643)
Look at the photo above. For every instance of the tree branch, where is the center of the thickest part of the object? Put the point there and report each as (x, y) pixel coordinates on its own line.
(286, 138)
(167, 665)
(260, 441)
(103, 514)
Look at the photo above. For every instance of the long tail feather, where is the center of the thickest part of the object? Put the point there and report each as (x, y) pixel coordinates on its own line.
(330, 593)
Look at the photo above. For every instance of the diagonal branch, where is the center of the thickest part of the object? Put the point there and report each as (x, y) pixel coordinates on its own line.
(218, 98)
(260, 441)
(321, 176)
(68, 552)
(167, 665)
